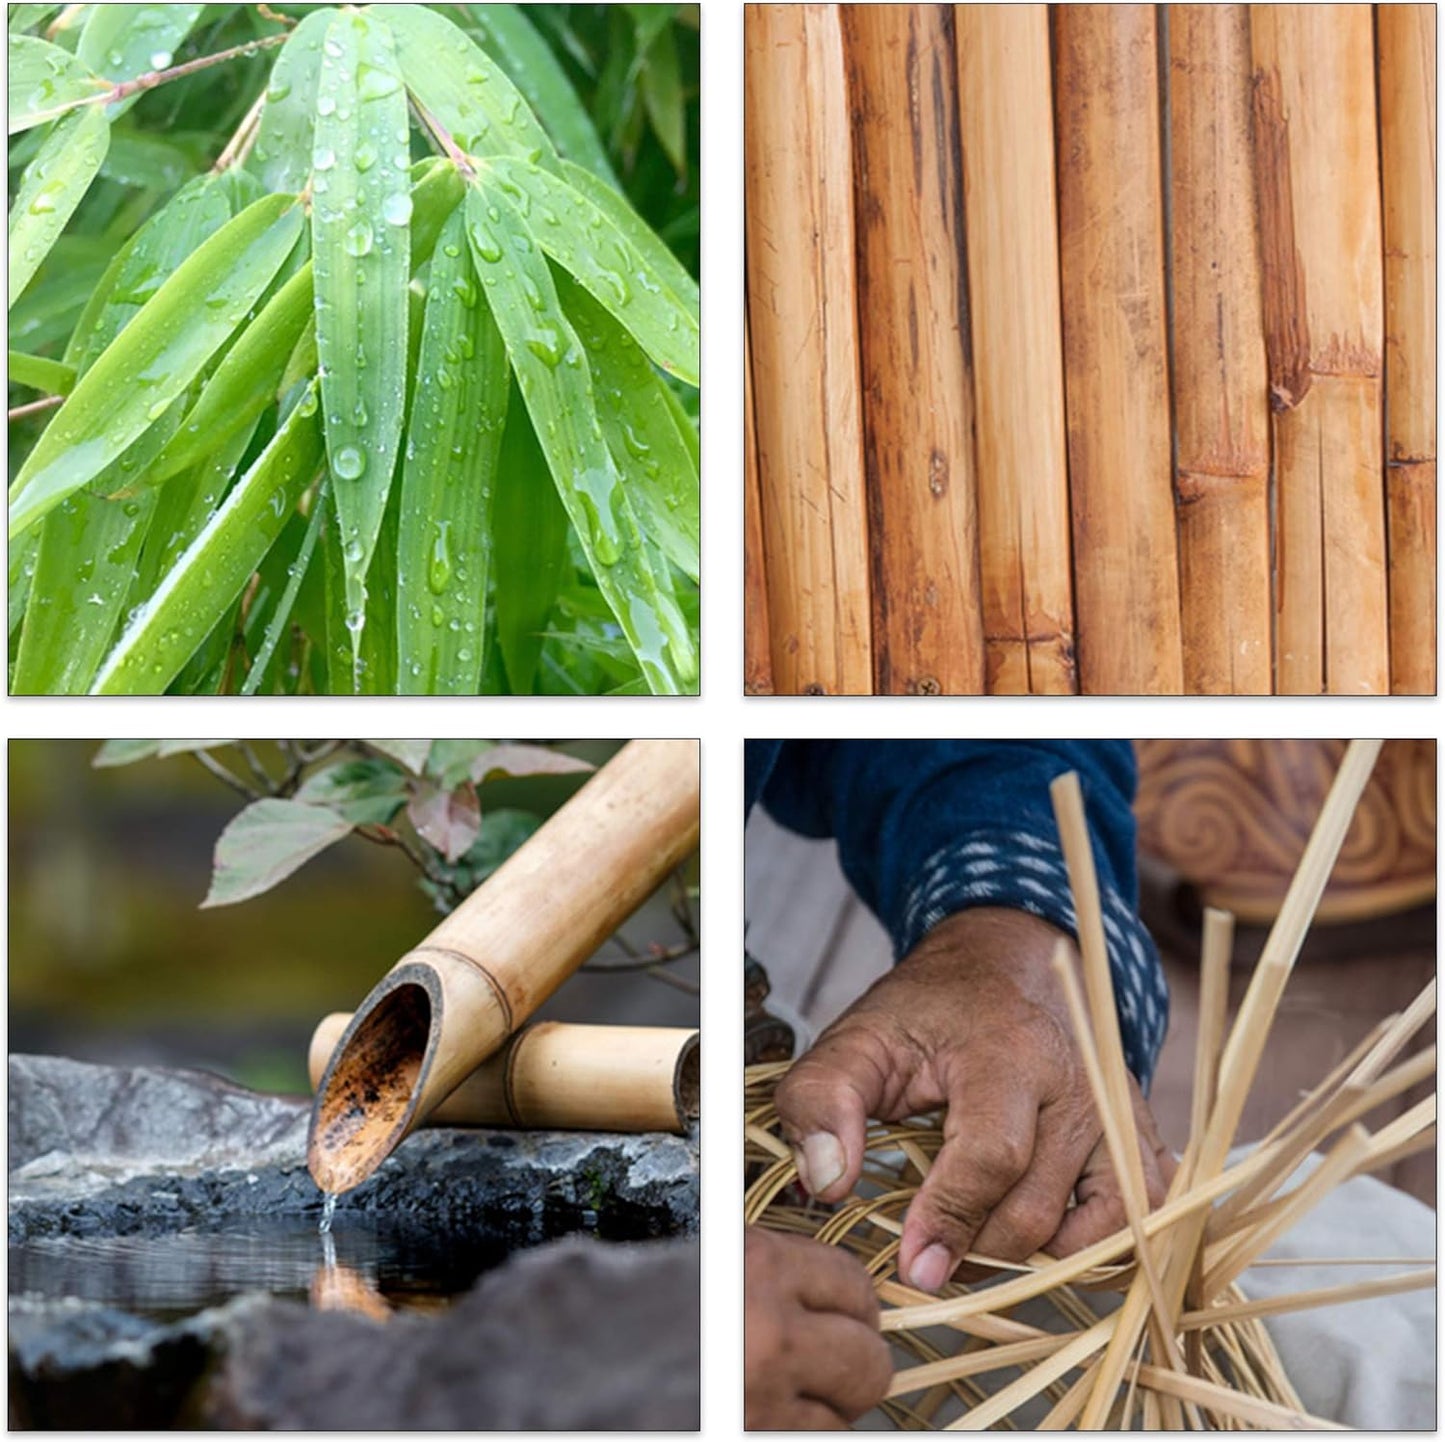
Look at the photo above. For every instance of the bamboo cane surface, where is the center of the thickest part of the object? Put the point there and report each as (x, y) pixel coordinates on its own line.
(1218, 1217)
(1185, 322)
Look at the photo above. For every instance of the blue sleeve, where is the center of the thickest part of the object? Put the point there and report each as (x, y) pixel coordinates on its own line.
(929, 828)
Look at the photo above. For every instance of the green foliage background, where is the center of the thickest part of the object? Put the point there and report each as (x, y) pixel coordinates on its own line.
(431, 427)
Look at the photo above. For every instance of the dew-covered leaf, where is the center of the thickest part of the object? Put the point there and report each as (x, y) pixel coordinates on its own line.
(122, 42)
(458, 412)
(281, 156)
(43, 80)
(132, 385)
(641, 428)
(585, 242)
(213, 571)
(266, 842)
(53, 184)
(147, 162)
(280, 618)
(557, 389)
(52, 377)
(449, 819)
(361, 246)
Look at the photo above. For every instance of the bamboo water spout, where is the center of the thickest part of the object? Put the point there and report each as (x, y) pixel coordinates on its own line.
(453, 1000)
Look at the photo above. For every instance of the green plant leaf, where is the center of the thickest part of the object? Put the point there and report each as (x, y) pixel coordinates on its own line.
(641, 428)
(124, 41)
(42, 80)
(361, 244)
(462, 87)
(263, 845)
(367, 792)
(458, 413)
(53, 185)
(124, 753)
(205, 582)
(451, 759)
(507, 33)
(27, 17)
(132, 385)
(147, 162)
(661, 85)
(51, 377)
(557, 388)
(280, 618)
(450, 820)
(281, 156)
(410, 754)
(585, 242)
(530, 526)
(516, 758)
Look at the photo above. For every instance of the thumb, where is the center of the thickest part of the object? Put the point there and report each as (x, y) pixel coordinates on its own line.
(824, 1104)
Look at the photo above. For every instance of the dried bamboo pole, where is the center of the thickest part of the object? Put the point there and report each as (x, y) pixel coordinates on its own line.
(1221, 419)
(757, 638)
(565, 1076)
(452, 1001)
(1406, 40)
(801, 289)
(1006, 129)
(1116, 350)
(1318, 171)
(914, 347)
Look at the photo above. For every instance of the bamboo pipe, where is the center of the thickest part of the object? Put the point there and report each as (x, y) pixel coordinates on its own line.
(1406, 41)
(1116, 369)
(801, 280)
(757, 644)
(1318, 173)
(451, 1002)
(1221, 417)
(564, 1076)
(1005, 119)
(915, 350)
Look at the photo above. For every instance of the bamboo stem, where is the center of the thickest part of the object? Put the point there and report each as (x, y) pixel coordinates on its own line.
(757, 642)
(801, 287)
(1116, 365)
(1221, 419)
(1006, 131)
(914, 344)
(1405, 36)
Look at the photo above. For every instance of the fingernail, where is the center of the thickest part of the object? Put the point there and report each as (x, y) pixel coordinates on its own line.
(823, 1161)
(801, 1162)
(932, 1267)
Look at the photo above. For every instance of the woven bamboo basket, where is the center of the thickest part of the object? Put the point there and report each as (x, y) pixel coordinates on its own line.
(1091, 348)
(1146, 1327)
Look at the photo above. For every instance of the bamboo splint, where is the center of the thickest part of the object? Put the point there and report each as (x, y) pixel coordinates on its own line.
(1184, 1348)
(1096, 338)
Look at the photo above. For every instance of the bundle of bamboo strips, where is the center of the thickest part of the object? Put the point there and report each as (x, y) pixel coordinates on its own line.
(1185, 1348)
(1083, 354)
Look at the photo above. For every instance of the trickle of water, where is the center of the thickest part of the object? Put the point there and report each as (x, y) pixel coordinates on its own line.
(328, 1211)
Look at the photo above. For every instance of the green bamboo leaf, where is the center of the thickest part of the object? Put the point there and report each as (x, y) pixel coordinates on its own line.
(557, 388)
(47, 313)
(54, 183)
(203, 585)
(148, 162)
(280, 617)
(282, 153)
(445, 542)
(530, 552)
(51, 377)
(506, 33)
(661, 84)
(462, 87)
(124, 41)
(361, 244)
(27, 17)
(266, 842)
(585, 243)
(43, 80)
(21, 574)
(133, 384)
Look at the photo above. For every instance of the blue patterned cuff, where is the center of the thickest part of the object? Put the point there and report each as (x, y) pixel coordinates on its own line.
(1027, 872)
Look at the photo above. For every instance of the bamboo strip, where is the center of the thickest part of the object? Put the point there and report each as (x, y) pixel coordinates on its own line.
(1221, 418)
(1215, 952)
(801, 288)
(1111, 252)
(914, 344)
(1002, 1402)
(1318, 170)
(1006, 131)
(757, 636)
(970, 1364)
(1406, 39)
(1303, 1301)
(1255, 1410)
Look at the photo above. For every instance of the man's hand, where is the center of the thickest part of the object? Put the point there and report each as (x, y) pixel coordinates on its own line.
(813, 1354)
(973, 1019)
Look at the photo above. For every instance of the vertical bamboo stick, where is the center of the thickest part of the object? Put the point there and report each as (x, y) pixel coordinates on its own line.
(1406, 37)
(1318, 172)
(914, 343)
(1006, 128)
(801, 289)
(1221, 419)
(1115, 349)
(757, 641)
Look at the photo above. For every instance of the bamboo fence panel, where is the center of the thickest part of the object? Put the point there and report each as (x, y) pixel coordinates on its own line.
(801, 281)
(1091, 349)
(1006, 134)
(1406, 39)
